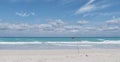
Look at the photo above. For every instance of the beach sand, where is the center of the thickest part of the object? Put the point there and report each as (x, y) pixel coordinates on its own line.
(83, 55)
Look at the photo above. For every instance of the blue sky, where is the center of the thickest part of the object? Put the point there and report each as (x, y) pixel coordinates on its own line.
(59, 18)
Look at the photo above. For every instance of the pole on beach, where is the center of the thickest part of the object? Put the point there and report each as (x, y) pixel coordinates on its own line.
(77, 46)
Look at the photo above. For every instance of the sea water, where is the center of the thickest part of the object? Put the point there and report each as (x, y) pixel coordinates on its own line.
(37, 43)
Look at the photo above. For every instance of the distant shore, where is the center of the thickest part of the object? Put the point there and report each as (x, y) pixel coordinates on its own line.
(63, 55)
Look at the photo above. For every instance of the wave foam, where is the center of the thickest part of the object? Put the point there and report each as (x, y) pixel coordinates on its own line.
(87, 42)
(20, 42)
(66, 43)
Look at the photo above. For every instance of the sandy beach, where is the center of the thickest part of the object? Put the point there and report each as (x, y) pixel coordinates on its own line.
(83, 55)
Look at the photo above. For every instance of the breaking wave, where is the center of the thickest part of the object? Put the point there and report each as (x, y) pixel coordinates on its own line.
(64, 42)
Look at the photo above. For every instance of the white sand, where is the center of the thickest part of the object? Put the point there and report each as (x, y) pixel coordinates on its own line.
(93, 55)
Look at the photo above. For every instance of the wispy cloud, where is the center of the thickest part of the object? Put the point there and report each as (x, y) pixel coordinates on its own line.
(90, 2)
(87, 7)
(82, 22)
(113, 21)
(104, 14)
(25, 14)
(56, 23)
(91, 6)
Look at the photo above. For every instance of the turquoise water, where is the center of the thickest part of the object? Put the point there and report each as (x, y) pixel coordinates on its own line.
(58, 39)
(59, 42)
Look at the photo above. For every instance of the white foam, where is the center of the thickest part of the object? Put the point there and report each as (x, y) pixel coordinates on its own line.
(87, 42)
(104, 42)
(66, 43)
(20, 42)
(83, 43)
(71, 45)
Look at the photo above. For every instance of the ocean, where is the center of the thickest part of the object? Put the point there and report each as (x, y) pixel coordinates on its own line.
(37, 43)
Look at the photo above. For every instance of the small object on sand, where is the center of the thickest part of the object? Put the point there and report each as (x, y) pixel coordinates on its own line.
(86, 55)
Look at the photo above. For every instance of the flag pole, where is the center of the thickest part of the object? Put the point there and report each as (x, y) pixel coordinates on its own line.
(77, 45)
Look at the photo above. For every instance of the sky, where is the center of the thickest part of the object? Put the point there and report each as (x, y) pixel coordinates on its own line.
(59, 18)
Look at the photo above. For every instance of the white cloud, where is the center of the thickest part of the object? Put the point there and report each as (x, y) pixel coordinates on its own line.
(108, 28)
(57, 23)
(45, 27)
(8, 26)
(23, 27)
(82, 22)
(88, 7)
(73, 30)
(90, 28)
(60, 30)
(90, 2)
(57, 26)
(114, 21)
(101, 14)
(72, 27)
(25, 14)
(38, 27)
